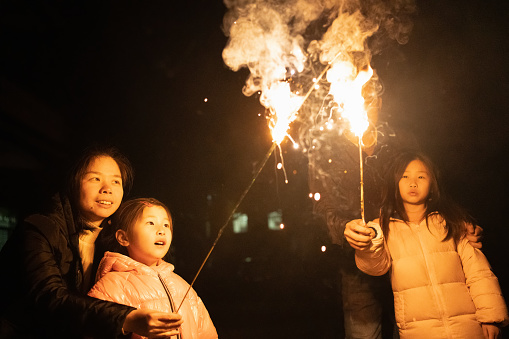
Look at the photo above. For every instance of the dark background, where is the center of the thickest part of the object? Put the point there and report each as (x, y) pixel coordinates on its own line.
(136, 74)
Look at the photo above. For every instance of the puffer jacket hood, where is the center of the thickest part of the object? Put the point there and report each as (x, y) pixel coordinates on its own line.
(126, 281)
(116, 262)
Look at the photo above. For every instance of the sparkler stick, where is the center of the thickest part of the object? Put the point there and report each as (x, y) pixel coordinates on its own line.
(221, 230)
(362, 180)
(354, 111)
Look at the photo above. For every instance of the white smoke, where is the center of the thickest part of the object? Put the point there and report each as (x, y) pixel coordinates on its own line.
(279, 40)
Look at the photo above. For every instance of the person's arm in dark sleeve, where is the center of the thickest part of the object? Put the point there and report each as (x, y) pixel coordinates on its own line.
(59, 306)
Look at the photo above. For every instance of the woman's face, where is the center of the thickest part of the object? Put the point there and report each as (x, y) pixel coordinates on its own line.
(101, 190)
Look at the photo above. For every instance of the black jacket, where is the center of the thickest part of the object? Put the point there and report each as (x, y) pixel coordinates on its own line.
(42, 279)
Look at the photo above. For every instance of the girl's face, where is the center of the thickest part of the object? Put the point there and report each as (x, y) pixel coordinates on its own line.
(101, 190)
(149, 238)
(414, 184)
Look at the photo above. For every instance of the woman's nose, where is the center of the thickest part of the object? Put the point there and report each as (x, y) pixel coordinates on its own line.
(106, 189)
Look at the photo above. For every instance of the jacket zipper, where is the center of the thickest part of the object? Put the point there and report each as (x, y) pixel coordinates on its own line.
(433, 280)
(172, 305)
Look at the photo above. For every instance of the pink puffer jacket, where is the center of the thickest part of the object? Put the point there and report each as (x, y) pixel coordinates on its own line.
(125, 281)
(441, 290)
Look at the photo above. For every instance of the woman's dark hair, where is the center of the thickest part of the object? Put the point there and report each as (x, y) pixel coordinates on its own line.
(392, 205)
(80, 167)
(125, 217)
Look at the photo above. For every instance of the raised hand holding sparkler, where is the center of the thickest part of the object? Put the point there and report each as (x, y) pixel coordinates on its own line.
(358, 235)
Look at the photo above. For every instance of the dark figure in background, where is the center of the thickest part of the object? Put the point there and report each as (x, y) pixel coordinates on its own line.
(48, 262)
(334, 173)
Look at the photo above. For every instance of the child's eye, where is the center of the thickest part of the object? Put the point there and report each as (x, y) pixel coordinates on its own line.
(150, 223)
(117, 182)
(166, 225)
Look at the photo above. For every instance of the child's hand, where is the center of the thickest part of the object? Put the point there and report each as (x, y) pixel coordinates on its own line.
(490, 331)
(358, 235)
(474, 235)
(152, 324)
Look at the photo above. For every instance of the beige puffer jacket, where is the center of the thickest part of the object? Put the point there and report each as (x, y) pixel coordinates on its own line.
(440, 290)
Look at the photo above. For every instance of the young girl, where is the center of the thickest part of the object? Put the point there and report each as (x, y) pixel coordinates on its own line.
(443, 287)
(139, 277)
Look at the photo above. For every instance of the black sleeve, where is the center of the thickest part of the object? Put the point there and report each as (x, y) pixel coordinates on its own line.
(57, 307)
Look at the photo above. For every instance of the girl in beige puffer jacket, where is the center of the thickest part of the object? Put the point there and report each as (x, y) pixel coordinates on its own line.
(443, 287)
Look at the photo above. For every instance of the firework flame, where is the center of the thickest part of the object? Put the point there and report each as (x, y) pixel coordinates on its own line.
(283, 105)
(347, 92)
(279, 42)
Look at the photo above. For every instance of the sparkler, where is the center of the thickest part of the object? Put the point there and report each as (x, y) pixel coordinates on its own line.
(268, 38)
(221, 230)
(348, 94)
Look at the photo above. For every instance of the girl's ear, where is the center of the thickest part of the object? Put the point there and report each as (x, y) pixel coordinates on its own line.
(122, 238)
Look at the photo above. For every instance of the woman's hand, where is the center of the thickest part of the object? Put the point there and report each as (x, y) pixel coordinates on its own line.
(152, 324)
(474, 235)
(358, 235)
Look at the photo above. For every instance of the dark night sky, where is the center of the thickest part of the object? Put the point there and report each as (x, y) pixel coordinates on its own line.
(136, 73)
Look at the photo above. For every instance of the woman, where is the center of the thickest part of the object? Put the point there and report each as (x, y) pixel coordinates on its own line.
(47, 264)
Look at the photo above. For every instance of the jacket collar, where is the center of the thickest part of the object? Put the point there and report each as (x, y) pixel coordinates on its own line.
(116, 262)
(396, 217)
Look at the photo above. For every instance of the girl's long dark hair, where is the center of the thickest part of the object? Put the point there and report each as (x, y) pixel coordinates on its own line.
(455, 217)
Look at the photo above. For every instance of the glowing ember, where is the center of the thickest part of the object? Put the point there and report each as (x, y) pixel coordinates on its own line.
(283, 105)
(347, 93)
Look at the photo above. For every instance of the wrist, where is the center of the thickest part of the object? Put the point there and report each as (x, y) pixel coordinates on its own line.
(126, 326)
